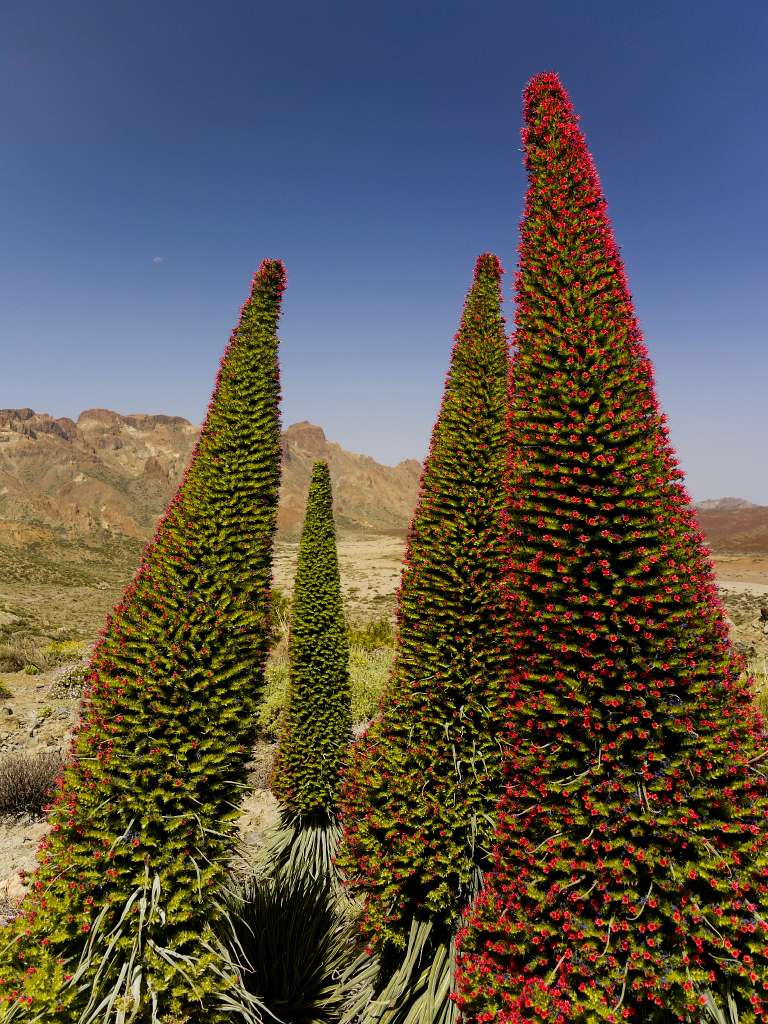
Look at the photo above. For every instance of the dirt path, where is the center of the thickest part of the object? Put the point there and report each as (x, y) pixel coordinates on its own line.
(743, 587)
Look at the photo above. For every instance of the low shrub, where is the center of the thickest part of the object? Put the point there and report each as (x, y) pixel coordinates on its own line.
(274, 695)
(757, 668)
(368, 671)
(69, 680)
(21, 653)
(373, 635)
(261, 765)
(27, 780)
(28, 654)
(65, 652)
(280, 615)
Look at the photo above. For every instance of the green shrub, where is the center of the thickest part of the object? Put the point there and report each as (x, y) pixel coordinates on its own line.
(270, 711)
(63, 652)
(369, 670)
(294, 944)
(280, 615)
(368, 673)
(757, 673)
(31, 655)
(145, 815)
(372, 635)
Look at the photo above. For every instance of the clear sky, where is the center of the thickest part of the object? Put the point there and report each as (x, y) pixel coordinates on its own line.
(152, 153)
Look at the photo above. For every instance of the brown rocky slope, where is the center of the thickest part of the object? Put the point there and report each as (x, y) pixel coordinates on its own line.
(735, 528)
(111, 475)
(108, 473)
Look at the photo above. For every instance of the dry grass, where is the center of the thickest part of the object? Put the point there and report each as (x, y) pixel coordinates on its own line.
(261, 764)
(23, 654)
(27, 780)
(758, 670)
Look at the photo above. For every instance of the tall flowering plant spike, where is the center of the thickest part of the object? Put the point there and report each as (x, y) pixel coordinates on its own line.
(317, 726)
(419, 796)
(629, 876)
(142, 822)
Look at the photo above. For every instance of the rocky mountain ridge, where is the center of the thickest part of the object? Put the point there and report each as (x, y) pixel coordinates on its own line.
(112, 473)
(724, 504)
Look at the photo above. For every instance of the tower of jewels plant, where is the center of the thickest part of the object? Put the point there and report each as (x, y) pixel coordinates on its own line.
(420, 794)
(286, 924)
(317, 724)
(142, 821)
(630, 871)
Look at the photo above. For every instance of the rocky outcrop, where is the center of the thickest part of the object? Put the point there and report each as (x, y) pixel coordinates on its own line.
(91, 475)
(725, 503)
(367, 497)
(109, 473)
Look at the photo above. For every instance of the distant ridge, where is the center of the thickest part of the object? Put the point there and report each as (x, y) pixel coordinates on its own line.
(114, 473)
(734, 526)
(367, 496)
(725, 504)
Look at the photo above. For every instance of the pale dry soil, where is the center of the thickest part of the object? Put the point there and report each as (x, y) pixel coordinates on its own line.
(743, 572)
(37, 716)
(369, 568)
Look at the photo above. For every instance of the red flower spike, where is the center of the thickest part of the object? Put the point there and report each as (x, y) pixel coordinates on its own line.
(419, 796)
(631, 837)
(181, 655)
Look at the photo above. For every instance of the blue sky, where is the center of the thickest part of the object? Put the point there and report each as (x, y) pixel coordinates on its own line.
(153, 153)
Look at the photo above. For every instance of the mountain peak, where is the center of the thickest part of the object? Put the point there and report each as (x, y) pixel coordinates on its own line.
(307, 436)
(116, 472)
(725, 504)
